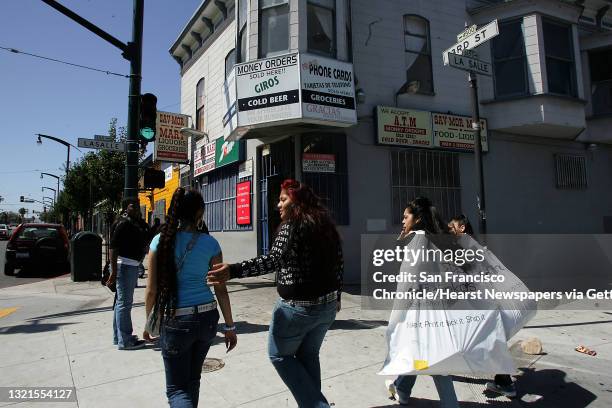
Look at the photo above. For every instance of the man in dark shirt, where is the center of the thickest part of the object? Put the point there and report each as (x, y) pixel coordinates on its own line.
(128, 239)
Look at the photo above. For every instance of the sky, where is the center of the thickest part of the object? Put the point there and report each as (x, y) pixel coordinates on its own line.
(38, 96)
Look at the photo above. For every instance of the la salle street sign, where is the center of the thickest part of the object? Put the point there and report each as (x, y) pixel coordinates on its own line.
(101, 144)
(479, 37)
(469, 64)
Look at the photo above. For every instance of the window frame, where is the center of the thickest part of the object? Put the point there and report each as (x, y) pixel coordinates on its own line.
(231, 52)
(200, 108)
(523, 57)
(572, 61)
(260, 28)
(334, 51)
(429, 55)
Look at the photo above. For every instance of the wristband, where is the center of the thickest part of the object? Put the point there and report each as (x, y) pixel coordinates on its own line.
(229, 328)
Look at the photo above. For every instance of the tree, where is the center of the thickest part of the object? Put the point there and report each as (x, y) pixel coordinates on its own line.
(22, 212)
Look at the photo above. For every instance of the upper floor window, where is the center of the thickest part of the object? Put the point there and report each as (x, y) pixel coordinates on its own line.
(230, 61)
(509, 60)
(273, 27)
(417, 47)
(243, 14)
(601, 81)
(200, 98)
(560, 65)
(322, 27)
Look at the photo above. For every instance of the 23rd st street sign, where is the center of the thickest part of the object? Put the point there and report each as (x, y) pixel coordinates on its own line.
(478, 37)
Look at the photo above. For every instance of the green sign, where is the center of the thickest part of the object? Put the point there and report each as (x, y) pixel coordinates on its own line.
(226, 152)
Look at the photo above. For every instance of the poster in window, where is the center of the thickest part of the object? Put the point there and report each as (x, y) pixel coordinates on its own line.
(243, 203)
(318, 163)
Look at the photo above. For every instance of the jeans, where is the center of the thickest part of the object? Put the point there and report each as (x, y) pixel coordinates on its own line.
(444, 385)
(296, 335)
(127, 279)
(185, 341)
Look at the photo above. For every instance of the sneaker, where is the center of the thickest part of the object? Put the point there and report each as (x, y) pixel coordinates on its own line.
(138, 344)
(505, 390)
(390, 385)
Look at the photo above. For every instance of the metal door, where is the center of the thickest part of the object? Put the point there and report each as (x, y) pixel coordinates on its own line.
(276, 163)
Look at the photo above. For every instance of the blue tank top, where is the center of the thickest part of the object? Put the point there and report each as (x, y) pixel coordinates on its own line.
(192, 289)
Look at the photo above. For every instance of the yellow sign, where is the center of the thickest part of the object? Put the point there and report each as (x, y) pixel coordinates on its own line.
(456, 132)
(403, 127)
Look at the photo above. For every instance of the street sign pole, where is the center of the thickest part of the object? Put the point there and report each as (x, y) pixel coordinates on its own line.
(480, 197)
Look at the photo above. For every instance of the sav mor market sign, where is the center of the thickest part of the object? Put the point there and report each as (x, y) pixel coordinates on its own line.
(170, 145)
(407, 127)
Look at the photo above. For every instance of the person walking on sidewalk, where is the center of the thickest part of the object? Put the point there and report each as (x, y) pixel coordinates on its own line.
(127, 241)
(179, 258)
(421, 215)
(307, 258)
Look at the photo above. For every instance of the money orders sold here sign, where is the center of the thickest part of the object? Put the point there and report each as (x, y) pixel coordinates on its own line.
(170, 145)
(455, 132)
(268, 90)
(403, 127)
(328, 90)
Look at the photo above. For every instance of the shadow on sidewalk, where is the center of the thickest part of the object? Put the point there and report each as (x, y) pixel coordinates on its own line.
(544, 326)
(81, 312)
(352, 324)
(33, 327)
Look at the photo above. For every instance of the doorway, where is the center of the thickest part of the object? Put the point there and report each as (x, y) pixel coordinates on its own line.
(276, 163)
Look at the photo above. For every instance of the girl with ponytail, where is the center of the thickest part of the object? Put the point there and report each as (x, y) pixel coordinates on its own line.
(178, 297)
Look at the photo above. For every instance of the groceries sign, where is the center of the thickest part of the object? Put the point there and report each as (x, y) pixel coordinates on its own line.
(170, 145)
(406, 127)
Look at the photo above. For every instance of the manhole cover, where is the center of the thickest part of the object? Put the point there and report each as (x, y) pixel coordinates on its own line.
(212, 364)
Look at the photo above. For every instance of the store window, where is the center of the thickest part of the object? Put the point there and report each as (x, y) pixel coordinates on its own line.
(324, 168)
(322, 27)
(243, 14)
(560, 65)
(200, 99)
(273, 27)
(230, 61)
(417, 47)
(509, 60)
(430, 174)
(219, 194)
(601, 81)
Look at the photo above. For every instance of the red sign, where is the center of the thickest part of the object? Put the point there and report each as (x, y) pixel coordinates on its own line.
(243, 203)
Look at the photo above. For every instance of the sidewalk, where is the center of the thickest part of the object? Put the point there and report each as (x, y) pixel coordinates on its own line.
(60, 335)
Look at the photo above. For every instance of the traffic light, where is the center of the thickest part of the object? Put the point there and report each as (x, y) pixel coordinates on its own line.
(154, 178)
(22, 199)
(148, 117)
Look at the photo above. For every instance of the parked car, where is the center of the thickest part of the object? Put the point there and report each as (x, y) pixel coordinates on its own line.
(39, 245)
(5, 232)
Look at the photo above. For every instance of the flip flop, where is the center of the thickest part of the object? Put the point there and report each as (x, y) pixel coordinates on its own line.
(584, 350)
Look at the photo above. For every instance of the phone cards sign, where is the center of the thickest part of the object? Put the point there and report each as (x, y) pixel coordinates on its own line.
(268, 90)
(403, 127)
(328, 90)
(170, 145)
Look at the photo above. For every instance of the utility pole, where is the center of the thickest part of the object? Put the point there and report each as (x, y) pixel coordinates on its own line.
(480, 196)
(132, 51)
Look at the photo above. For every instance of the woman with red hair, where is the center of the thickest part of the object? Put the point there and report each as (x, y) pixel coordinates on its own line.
(307, 258)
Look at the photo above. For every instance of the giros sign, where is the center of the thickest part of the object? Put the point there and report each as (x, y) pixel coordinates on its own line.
(295, 88)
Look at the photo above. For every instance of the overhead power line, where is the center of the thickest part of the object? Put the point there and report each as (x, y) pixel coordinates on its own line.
(16, 51)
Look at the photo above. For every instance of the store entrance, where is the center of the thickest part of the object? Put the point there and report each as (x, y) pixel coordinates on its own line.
(276, 163)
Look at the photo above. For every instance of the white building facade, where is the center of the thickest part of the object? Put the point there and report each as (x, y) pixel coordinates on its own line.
(400, 126)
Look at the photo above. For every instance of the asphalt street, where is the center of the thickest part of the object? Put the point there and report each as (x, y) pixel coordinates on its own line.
(21, 277)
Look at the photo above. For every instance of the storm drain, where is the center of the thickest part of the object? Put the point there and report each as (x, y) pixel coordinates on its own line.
(212, 364)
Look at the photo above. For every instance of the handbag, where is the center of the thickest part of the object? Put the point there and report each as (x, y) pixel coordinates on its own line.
(153, 324)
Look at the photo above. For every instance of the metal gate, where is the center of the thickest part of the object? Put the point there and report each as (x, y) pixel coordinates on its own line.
(276, 163)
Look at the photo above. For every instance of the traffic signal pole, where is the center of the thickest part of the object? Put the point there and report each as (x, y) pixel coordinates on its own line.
(132, 51)
(130, 189)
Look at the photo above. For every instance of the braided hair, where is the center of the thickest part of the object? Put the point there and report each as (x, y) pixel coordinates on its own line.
(183, 210)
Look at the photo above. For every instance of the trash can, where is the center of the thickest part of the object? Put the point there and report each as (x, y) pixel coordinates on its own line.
(86, 257)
